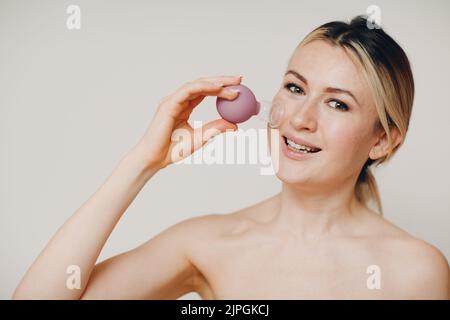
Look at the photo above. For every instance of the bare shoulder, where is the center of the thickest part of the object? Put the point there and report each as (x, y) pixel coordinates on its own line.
(197, 235)
(424, 270)
(208, 239)
(220, 233)
(416, 269)
(211, 226)
(216, 225)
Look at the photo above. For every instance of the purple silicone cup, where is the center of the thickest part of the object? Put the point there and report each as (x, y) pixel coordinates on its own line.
(240, 109)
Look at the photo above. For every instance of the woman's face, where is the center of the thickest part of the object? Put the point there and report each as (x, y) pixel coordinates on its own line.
(340, 123)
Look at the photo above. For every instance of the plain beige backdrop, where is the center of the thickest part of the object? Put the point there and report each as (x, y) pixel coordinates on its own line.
(73, 102)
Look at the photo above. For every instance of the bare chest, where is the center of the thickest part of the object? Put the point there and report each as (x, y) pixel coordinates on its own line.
(267, 271)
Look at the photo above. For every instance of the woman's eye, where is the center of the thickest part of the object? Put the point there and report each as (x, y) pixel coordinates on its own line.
(293, 88)
(339, 105)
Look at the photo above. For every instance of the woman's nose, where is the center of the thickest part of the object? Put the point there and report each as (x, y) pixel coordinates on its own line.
(305, 116)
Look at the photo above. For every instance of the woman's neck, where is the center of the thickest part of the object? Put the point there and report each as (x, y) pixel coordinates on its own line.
(312, 215)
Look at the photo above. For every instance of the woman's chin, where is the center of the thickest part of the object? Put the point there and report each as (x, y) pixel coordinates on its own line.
(287, 175)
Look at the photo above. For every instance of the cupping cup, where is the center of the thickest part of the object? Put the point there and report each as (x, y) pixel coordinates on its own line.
(245, 106)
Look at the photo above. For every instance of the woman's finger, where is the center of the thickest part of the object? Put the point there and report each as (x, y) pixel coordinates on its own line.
(225, 80)
(196, 101)
(211, 129)
(191, 90)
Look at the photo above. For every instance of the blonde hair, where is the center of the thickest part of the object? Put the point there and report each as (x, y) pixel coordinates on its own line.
(387, 70)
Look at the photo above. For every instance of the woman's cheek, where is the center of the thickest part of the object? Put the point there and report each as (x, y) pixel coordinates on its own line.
(343, 138)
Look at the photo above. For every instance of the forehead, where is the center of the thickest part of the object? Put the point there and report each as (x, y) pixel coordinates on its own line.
(325, 65)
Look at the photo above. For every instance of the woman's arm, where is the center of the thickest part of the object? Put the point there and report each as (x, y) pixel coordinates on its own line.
(79, 241)
(158, 269)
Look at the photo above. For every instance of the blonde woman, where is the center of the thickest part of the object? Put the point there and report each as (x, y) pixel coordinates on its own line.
(348, 94)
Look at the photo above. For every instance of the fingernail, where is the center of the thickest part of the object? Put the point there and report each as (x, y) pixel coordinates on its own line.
(233, 90)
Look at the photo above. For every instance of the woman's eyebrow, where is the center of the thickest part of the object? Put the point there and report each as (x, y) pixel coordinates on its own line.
(329, 89)
(297, 75)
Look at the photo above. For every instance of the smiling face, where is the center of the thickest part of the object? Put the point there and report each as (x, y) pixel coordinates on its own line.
(339, 123)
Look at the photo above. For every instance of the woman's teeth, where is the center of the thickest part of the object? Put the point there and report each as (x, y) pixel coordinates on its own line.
(299, 148)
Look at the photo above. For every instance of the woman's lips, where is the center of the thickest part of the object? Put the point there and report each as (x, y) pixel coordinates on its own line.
(295, 155)
(300, 141)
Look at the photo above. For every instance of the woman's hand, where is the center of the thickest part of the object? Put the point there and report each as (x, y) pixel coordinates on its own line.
(91, 225)
(169, 137)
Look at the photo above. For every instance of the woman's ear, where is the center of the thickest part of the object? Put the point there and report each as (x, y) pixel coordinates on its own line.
(382, 147)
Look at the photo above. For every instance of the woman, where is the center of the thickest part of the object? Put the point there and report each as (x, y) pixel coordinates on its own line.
(348, 94)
